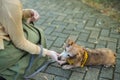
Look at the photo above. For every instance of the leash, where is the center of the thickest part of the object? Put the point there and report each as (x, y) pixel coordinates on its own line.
(32, 58)
(39, 70)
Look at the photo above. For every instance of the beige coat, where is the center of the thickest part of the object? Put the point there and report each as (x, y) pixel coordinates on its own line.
(11, 26)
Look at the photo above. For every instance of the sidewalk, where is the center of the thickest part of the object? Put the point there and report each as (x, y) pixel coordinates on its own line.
(61, 19)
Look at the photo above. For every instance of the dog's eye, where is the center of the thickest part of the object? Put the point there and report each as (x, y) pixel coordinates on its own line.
(68, 55)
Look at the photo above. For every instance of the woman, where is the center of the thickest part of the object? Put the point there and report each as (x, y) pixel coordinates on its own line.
(19, 40)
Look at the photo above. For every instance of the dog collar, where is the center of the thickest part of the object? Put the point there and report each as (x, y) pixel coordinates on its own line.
(84, 59)
(70, 61)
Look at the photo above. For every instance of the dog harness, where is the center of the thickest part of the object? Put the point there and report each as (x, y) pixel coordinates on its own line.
(85, 57)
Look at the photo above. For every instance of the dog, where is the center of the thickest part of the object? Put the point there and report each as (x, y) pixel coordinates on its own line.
(78, 56)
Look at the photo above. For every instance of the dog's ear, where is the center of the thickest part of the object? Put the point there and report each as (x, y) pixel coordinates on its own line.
(70, 42)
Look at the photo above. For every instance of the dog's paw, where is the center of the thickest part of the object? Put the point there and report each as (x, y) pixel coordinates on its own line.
(107, 65)
(61, 62)
(67, 66)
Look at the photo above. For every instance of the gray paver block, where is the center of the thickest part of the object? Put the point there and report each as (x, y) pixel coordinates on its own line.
(92, 74)
(73, 37)
(83, 36)
(80, 70)
(116, 76)
(100, 46)
(58, 71)
(84, 30)
(60, 28)
(117, 69)
(49, 43)
(85, 44)
(108, 39)
(58, 34)
(71, 32)
(115, 35)
(111, 46)
(76, 76)
(49, 37)
(44, 76)
(107, 73)
(59, 42)
(49, 30)
(91, 23)
(59, 78)
(105, 32)
(92, 28)
(71, 27)
(94, 34)
(80, 25)
(104, 79)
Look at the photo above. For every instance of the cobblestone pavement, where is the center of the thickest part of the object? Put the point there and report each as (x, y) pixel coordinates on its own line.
(61, 19)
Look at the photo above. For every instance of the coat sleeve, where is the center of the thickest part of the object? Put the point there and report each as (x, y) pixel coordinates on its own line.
(11, 19)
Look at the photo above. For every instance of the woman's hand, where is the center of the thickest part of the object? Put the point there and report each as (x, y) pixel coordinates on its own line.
(53, 55)
(34, 16)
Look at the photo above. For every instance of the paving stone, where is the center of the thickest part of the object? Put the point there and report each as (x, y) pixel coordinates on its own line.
(118, 51)
(86, 44)
(60, 18)
(73, 37)
(44, 76)
(105, 32)
(76, 76)
(49, 37)
(58, 71)
(92, 74)
(49, 30)
(108, 39)
(117, 68)
(102, 42)
(94, 34)
(115, 35)
(71, 32)
(79, 15)
(57, 49)
(84, 30)
(118, 56)
(80, 25)
(100, 46)
(59, 23)
(83, 36)
(93, 29)
(59, 42)
(80, 70)
(59, 28)
(91, 23)
(112, 46)
(58, 34)
(59, 78)
(49, 43)
(116, 76)
(104, 79)
(97, 42)
(71, 27)
(107, 73)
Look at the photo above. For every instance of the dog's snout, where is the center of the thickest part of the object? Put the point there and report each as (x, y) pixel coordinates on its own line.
(59, 57)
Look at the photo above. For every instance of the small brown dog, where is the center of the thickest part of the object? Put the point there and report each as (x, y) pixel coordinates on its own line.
(77, 56)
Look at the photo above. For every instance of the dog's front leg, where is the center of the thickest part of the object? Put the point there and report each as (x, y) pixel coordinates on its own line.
(67, 66)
